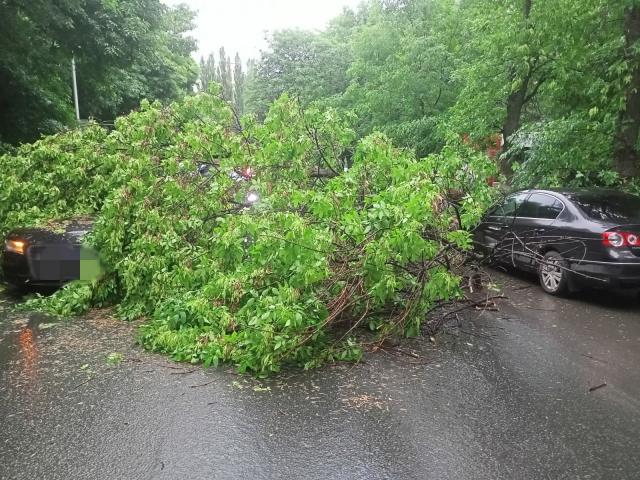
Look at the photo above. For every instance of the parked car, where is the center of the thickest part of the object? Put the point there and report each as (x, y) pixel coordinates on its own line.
(568, 237)
(53, 255)
(48, 256)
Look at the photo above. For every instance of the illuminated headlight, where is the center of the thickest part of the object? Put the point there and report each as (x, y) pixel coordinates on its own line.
(252, 197)
(15, 246)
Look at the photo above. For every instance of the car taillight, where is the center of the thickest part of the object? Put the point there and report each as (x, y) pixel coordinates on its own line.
(620, 239)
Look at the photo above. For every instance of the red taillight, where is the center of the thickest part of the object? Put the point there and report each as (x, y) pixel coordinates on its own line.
(620, 239)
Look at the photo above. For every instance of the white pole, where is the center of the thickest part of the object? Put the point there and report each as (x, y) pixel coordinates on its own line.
(75, 87)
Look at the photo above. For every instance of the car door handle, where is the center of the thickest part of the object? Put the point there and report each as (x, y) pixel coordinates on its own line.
(539, 230)
(495, 228)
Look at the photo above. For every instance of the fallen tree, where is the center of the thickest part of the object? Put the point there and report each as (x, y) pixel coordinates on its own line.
(285, 281)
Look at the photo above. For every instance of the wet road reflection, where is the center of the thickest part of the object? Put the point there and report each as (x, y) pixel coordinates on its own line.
(28, 353)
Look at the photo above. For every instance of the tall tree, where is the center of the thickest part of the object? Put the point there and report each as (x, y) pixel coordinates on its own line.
(208, 72)
(125, 50)
(238, 85)
(307, 65)
(626, 158)
(520, 94)
(401, 78)
(508, 51)
(560, 79)
(225, 76)
(35, 94)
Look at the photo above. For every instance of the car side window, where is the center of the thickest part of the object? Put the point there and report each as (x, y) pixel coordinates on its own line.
(509, 207)
(542, 206)
(555, 210)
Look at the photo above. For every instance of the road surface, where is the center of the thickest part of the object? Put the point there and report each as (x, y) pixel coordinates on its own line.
(504, 396)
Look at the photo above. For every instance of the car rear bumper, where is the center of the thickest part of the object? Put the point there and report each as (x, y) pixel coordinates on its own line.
(608, 274)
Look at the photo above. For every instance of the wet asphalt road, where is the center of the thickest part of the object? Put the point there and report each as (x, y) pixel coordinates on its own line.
(504, 396)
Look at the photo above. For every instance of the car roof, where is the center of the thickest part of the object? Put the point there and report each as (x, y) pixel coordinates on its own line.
(73, 225)
(569, 192)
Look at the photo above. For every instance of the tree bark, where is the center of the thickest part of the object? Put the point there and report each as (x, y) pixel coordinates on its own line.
(515, 103)
(626, 158)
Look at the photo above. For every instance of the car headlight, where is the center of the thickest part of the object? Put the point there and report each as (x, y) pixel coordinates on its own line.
(15, 246)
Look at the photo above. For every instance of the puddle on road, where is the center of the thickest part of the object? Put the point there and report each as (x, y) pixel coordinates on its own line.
(20, 336)
(42, 356)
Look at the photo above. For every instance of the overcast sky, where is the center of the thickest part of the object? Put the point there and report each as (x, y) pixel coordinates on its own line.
(240, 25)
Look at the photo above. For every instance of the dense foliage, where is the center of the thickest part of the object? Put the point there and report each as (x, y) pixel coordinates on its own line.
(308, 66)
(283, 281)
(125, 50)
(559, 79)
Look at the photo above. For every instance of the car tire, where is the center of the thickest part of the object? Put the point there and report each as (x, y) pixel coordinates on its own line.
(553, 274)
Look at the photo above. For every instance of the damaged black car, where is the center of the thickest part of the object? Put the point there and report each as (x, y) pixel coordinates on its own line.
(569, 238)
(49, 256)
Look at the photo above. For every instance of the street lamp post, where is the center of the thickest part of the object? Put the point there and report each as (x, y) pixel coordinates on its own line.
(75, 87)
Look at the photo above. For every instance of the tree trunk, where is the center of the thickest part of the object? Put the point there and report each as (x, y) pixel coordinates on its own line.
(626, 158)
(515, 103)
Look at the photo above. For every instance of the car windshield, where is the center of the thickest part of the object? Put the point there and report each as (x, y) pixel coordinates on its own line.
(611, 207)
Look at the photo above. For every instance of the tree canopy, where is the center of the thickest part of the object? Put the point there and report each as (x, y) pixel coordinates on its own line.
(560, 80)
(125, 50)
(230, 76)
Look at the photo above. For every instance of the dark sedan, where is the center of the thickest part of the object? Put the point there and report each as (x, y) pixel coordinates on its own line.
(568, 237)
(50, 255)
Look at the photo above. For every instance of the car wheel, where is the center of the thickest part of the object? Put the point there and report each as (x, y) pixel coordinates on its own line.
(553, 274)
